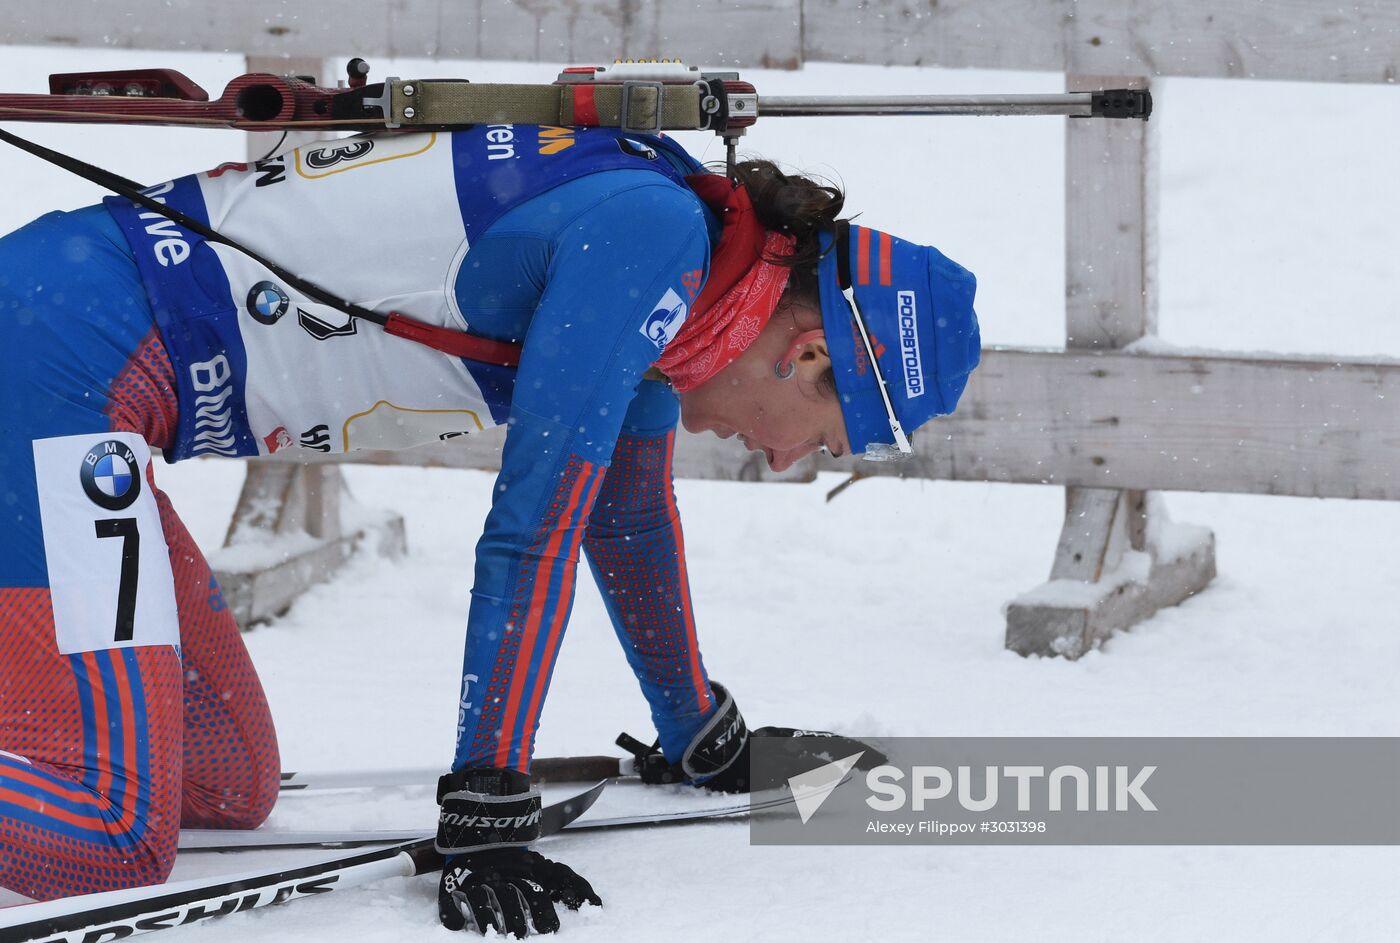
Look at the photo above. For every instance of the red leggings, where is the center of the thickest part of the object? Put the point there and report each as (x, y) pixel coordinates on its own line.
(112, 751)
(105, 753)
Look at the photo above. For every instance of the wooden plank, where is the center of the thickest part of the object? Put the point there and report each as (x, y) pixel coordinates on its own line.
(1110, 222)
(1193, 423)
(588, 32)
(1316, 428)
(1110, 301)
(1042, 623)
(323, 493)
(262, 502)
(264, 591)
(1358, 41)
(1355, 41)
(1086, 547)
(592, 32)
(958, 34)
(704, 457)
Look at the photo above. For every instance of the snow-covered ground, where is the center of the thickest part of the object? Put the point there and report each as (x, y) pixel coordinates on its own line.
(880, 613)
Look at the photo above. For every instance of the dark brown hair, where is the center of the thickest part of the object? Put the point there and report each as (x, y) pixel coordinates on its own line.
(791, 204)
(801, 207)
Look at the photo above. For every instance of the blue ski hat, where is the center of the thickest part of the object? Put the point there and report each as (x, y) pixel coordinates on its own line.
(917, 307)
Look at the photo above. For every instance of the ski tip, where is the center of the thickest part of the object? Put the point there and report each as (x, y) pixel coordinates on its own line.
(560, 815)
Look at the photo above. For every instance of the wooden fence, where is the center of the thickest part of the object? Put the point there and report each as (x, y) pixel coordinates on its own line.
(1344, 41)
(1108, 425)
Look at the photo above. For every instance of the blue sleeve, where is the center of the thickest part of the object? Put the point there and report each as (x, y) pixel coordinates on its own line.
(589, 342)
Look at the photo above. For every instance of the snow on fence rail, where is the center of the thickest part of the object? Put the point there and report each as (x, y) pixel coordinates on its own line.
(1109, 425)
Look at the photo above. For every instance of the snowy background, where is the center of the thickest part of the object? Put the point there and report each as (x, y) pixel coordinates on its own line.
(881, 613)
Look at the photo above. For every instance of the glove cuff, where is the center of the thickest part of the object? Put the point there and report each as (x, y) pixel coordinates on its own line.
(719, 743)
(486, 808)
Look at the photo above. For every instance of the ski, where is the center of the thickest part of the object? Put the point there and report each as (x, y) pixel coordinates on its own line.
(549, 769)
(197, 840)
(116, 915)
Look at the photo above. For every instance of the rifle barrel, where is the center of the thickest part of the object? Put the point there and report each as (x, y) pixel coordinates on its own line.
(1072, 104)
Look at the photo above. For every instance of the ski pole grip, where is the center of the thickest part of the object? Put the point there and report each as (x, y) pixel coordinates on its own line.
(456, 343)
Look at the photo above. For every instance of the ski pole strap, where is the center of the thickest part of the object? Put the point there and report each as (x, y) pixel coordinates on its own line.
(486, 808)
(637, 107)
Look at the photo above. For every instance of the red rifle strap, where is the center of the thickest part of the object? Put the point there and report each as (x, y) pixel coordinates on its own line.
(453, 342)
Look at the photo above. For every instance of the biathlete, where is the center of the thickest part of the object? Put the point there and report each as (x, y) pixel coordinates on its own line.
(642, 291)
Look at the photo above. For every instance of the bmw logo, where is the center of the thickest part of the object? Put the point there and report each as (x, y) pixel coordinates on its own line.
(267, 302)
(111, 475)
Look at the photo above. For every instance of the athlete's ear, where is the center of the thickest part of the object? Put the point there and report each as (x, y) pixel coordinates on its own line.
(814, 348)
(811, 355)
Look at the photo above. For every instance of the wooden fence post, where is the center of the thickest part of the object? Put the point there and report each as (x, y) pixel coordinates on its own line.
(1114, 565)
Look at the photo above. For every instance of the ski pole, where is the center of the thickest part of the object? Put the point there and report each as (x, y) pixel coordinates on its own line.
(116, 915)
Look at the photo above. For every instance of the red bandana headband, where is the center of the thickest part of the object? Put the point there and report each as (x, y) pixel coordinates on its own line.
(739, 296)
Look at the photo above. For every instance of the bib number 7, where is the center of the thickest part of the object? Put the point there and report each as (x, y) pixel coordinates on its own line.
(110, 588)
(125, 528)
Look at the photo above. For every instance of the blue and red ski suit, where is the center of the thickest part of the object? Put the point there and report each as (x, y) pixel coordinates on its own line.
(123, 331)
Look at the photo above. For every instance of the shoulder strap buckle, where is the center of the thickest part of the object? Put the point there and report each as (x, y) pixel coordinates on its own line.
(648, 120)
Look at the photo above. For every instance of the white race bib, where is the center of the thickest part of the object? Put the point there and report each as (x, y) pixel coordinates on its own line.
(109, 568)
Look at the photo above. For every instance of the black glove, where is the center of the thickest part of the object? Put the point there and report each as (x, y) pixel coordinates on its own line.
(718, 756)
(509, 889)
(491, 879)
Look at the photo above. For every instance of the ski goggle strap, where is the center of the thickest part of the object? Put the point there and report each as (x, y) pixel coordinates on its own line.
(874, 451)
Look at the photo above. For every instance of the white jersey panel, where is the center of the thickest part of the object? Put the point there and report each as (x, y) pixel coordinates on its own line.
(377, 219)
